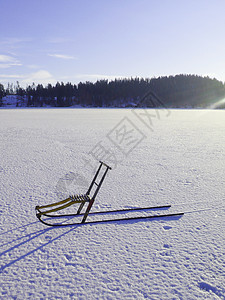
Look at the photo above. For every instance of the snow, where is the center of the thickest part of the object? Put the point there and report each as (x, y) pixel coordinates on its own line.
(179, 159)
(10, 101)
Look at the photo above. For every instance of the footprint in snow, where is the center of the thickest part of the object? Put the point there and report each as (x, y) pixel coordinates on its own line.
(208, 287)
(68, 257)
(167, 227)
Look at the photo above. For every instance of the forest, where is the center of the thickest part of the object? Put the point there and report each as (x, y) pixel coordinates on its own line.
(180, 91)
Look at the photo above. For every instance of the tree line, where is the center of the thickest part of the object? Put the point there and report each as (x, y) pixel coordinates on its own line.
(174, 91)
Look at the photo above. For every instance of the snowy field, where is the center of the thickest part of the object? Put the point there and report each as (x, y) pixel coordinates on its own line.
(158, 157)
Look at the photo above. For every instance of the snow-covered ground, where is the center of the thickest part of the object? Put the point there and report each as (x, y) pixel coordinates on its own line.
(159, 157)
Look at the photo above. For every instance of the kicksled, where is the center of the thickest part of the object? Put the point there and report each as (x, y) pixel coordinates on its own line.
(48, 213)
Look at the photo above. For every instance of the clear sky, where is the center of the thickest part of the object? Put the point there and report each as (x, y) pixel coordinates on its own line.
(45, 41)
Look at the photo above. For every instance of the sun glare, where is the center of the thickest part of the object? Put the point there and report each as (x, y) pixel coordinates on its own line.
(218, 104)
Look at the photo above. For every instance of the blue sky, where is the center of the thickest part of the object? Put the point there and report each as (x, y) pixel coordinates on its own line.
(45, 41)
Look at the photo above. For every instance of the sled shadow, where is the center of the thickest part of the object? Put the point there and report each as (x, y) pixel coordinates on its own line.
(29, 237)
(22, 226)
(34, 235)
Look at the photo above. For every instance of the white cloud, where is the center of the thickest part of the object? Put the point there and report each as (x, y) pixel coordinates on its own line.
(5, 58)
(5, 76)
(5, 66)
(44, 77)
(98, 77)
(62, 56)
(12, 78)
(39, 77)
(7, 61)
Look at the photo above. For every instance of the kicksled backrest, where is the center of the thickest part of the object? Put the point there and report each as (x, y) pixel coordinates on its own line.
(91, 187)
(95, 178)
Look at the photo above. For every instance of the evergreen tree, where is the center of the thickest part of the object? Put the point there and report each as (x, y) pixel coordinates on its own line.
(2, 93)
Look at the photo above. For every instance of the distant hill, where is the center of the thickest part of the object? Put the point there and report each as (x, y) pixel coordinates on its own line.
(180, 91)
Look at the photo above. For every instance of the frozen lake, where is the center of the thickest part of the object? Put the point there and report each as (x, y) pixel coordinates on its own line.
(158, 157)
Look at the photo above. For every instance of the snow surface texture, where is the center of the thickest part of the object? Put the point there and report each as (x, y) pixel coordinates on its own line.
(175, 157)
